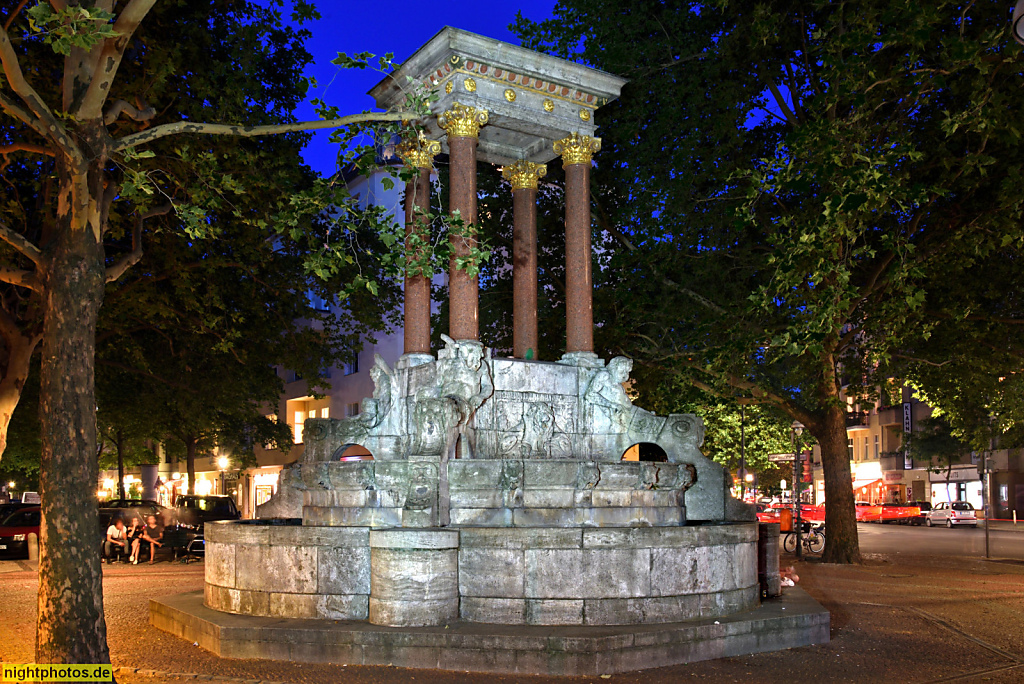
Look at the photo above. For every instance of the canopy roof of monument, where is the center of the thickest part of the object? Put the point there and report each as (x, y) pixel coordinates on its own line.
(532, 99)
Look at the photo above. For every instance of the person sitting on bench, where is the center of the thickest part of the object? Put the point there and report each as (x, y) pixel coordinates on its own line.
(152, 534)
(116, 543)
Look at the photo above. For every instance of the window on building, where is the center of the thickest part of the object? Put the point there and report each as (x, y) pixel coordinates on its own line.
(325, 412)
(961, 491)
(352, 409)
(866, 455)
(352, 368)
(311, 414)
(849, 447)
(876, 446)
(300, 417)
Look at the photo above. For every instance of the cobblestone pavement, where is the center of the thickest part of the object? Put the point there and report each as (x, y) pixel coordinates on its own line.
(897, 618)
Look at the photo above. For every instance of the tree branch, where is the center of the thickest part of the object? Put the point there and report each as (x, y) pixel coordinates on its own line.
(51, 127)
(21, 243)
(123, 107)
(128, 260)
(26, 147)
(177, 127)
(110, 58)
(22, 114)
(147, 374)
(14, 14)
(20, 278)
(781, 101)
(924, 361)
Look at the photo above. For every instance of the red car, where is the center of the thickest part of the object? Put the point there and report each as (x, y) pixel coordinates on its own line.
(15, 529)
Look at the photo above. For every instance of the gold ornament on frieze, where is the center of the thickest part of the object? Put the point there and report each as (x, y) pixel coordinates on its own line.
(470, 85)
(549, 105)
(577, 149)
(510, 95)
(585, 114)
(448, 87)
(461, 121)
(524, 174)
(419, 153)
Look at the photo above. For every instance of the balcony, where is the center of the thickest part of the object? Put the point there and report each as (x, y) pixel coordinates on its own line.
(890, 415)
(857, 420)
(892, 460)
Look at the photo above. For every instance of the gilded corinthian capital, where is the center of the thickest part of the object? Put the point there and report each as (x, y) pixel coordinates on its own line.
(419, 153)
(577, 149)
(461, 121)
(523, 175)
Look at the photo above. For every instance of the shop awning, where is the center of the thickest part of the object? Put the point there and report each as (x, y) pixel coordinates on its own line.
(857, 484)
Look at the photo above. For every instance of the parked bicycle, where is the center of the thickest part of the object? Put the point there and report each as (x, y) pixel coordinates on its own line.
(812, 539)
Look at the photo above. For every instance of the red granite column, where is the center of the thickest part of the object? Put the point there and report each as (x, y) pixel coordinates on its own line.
(419, 156)
(576, 152)
(523, 176)
(463, 126)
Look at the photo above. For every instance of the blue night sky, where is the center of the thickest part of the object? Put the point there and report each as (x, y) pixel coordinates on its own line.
(398, 26)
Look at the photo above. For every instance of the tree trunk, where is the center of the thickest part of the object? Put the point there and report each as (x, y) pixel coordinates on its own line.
(71, 627)
(120, 465)
(19, 357)
(190, 461)
(841, 542)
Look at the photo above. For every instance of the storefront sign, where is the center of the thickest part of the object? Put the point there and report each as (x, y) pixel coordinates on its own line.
(956, 475)
(892, 476)
(780, 458)
(908, 417)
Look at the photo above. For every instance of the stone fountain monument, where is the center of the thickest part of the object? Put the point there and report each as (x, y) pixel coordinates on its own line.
(497, 527)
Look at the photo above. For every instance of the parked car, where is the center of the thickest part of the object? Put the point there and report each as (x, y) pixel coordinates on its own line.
(192, 510)
(867, 512)
(923, 508)
(952, 514)
(14, 531)
(898, 513)
(7, 508)
(126, 509)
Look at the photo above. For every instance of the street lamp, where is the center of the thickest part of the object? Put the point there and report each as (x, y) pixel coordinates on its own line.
(1017, 23)
(222, 463)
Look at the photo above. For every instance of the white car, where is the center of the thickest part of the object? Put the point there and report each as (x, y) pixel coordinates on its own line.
(950, 514)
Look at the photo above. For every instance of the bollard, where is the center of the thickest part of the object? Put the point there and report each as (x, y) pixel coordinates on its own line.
(1014, 516)
(33, 546)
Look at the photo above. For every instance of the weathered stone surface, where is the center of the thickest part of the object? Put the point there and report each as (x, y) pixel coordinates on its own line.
(300, 535)
(505, 611)
(417, 613)
(286, 605)
(491, 572)
(220, 564)
(343, 607)
(477, 498)
(486, 517)
(414, 539)
(790, 621)
(474, 474)
(414, 575)
(589, 573)
(276, 568)
(344, 570)
(548, 498)
(522, 538)
(554, 612)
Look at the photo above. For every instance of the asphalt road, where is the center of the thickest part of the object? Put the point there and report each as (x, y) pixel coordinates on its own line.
(1004, 542)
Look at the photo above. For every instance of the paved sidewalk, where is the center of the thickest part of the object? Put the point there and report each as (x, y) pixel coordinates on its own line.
(896, 618)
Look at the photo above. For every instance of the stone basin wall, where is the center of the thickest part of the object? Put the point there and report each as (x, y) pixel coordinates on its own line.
(573, 576)
(509, 493)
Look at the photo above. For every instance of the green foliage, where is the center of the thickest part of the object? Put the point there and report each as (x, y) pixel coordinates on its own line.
(822, 164)
(934, 443)
(74, 26)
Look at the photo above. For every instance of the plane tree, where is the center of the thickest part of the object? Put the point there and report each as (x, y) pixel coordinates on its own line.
(796, 174)
(116, 117)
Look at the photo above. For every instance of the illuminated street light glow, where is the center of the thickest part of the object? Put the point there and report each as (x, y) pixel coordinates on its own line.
(749, 477)
(222, 463)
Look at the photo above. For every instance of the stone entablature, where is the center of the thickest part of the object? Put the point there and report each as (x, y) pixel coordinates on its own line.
(565, 576)
(532, 99)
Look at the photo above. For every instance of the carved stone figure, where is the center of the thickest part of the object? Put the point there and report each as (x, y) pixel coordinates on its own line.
(539, 427)
(422, 492)
(511, 483)
(609, 406)
(384, 393)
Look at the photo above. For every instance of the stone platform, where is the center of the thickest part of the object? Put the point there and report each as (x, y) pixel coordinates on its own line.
(792, 620)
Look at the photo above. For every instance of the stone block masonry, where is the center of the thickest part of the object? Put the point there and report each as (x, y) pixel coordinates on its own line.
(516, 576)
(792, 620)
